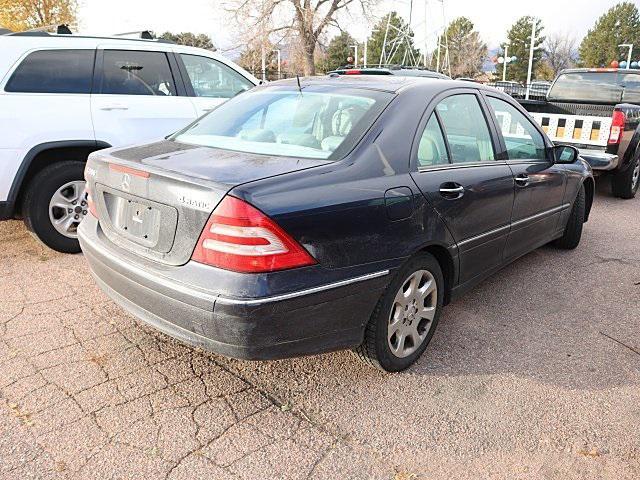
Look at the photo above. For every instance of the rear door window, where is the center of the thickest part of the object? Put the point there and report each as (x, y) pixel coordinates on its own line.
(432, 149)
(54, 71)
(129, 72)
(466, 129)
(213, 79)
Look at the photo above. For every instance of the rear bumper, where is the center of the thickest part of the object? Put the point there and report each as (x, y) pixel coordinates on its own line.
(325, 318)
(600, 160)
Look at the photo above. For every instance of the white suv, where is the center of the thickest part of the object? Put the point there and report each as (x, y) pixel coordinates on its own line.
(65, 96)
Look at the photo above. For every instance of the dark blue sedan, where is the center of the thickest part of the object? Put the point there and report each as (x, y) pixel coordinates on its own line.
(338, 212)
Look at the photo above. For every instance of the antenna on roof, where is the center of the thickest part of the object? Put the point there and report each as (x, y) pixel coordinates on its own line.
(298, 80)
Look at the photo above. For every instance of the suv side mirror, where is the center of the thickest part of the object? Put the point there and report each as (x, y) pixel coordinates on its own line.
(565, 154)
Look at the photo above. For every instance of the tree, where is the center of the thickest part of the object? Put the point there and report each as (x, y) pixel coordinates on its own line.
(560, 52)
(399, 49)
(620, 24)
(303, 20)
(199, 40)
(467, 51)
(519, 37)
(339, 50)
(26, 14)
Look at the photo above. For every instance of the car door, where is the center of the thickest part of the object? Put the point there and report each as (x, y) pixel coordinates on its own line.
(539, 184)
(138, 95)
(210, 82)
(457, 171)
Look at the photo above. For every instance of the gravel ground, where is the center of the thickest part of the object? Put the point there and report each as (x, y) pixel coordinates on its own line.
(534, 374)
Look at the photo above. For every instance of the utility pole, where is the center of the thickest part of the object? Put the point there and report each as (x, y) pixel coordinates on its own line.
(534, 24)
(355, 60)
(630, 47)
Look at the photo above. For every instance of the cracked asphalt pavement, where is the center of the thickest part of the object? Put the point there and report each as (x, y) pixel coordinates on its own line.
(534, 374)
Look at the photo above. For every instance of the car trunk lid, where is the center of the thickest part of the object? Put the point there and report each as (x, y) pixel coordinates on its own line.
(154, 200)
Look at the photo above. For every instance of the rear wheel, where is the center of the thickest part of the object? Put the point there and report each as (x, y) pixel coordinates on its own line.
(55, 204)
(406, 316)
(573, 230)
(625, 184)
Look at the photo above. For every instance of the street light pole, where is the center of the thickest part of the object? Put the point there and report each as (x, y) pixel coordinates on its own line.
(504, 64)
(355, 60)
(630, 47)
(534, 23)
(279, 69)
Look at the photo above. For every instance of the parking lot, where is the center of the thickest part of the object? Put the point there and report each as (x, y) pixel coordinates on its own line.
(535, 374)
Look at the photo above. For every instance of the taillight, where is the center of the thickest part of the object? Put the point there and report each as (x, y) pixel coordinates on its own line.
(617, 126)
(241, 238)
(353, 72)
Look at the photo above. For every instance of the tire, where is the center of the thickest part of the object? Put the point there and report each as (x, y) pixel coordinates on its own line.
(40, 197)
(573, 230)
(625, 184)
(376, 348)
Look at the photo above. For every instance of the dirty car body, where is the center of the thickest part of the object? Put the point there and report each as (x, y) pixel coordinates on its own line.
(340, 188)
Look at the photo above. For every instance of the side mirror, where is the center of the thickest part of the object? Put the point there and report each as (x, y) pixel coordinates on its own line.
(565, 154)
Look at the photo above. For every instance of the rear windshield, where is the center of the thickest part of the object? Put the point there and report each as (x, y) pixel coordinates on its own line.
(603, 87)
(276, 121)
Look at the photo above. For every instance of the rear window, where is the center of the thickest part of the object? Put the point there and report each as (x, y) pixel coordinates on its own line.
(603, 87)
(54, 71)
(275, 121)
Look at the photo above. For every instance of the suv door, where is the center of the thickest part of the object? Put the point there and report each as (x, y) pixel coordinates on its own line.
(138, 96)
(539, 184)
(456, 170)
(210, 82)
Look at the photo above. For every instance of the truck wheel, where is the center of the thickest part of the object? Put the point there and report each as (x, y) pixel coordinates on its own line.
(625, 184)
(573, 230)
(54, 205)
(405, 317)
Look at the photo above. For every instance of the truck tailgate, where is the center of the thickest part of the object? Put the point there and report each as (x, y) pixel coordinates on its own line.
(579, 129)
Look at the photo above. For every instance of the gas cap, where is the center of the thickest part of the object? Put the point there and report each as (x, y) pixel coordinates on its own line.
(398, 202)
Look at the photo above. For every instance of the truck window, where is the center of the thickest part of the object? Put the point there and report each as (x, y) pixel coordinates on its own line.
(593, 87)
(631, 85)
(54, 71)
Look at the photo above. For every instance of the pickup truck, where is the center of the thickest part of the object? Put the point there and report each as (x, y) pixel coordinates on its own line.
(597, 111)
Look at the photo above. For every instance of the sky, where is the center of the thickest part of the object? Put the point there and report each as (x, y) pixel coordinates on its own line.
(492, 18)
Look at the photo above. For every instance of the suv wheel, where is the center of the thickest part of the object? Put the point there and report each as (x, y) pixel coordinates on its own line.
(406, 316)
(55, 204)
(625, 184)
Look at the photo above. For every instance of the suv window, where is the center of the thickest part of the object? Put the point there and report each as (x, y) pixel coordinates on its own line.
(523, 140)
(211, 78)
(128, 72)
(466, 129)
(432, 149)
(54, 71)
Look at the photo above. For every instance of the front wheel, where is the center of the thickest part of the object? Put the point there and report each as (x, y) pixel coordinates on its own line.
(405, 317)
(55, 204)
(625, 184)
(573, 230)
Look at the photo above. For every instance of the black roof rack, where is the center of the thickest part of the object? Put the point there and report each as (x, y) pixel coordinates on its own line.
(63, 31)
(5, 31)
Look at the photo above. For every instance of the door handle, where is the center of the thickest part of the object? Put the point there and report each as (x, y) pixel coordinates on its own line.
(114, 106)
(451, 190)
(522, 180)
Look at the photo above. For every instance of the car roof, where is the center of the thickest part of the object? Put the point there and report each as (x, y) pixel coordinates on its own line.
(600, 70)
(386, 83)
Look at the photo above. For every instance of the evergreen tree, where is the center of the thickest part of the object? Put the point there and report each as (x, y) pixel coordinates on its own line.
(400, 47)
(199, 40)
(519, 36)
(339, 50)
(467, 51)
(621, 24)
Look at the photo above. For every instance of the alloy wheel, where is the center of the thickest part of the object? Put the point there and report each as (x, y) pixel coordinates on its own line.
(412, 313)
(67, 207)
